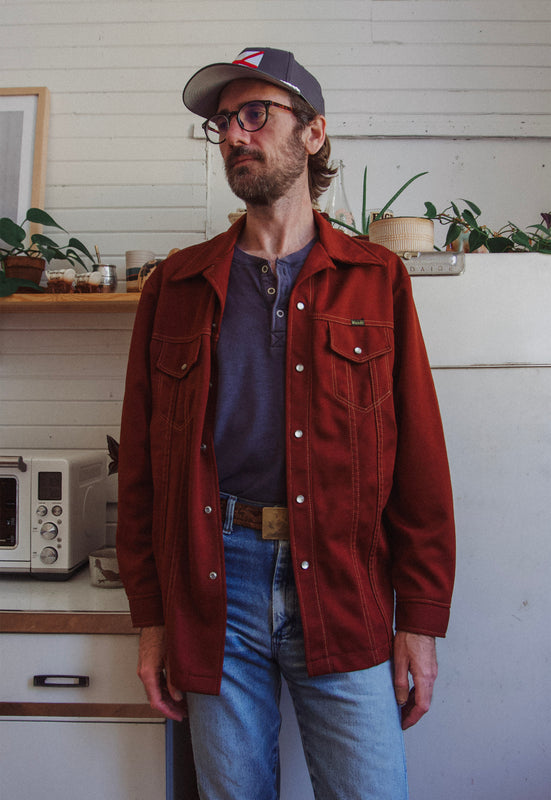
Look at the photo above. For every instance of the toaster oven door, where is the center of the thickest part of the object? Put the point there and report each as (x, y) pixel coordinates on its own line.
(15, 523)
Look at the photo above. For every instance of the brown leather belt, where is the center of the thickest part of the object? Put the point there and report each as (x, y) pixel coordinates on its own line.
(243, 514)
(273, 521)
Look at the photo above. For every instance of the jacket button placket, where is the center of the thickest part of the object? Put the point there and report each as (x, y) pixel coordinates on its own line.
(297, 404)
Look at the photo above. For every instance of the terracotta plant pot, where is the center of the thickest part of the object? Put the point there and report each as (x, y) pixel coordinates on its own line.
(24, 268)
(403, 234)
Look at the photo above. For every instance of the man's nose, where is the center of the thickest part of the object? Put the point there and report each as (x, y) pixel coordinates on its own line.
(236, 134)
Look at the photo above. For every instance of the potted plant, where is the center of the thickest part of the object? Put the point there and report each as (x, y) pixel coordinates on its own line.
(466, 232)
(22, 264)
(397, 233)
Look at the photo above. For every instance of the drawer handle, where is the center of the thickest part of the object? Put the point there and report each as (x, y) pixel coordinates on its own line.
(61, 680)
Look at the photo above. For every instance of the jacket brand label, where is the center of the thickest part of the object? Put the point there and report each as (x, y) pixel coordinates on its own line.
(357, 322)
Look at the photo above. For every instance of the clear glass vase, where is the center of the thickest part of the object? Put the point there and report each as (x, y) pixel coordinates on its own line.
(338, 208)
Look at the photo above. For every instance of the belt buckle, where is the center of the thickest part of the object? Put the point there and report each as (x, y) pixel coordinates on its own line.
(275, 522)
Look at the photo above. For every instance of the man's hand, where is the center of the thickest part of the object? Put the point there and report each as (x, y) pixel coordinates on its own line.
(416, 654)
(162, 695)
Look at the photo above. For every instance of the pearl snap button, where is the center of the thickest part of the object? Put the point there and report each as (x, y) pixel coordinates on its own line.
(305, 565)
(300, 305)
(300, 498)
(208, 509)
(299, 367)
(298, 434)
(183, 367)
(213, 575)
(358, 351)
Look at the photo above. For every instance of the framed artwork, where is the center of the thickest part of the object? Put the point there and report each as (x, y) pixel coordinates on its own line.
(24, 116)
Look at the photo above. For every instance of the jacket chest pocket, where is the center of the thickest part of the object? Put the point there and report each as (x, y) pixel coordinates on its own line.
(360, 364)
(176, 375)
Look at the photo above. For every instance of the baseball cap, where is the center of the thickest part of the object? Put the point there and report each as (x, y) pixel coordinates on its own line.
(279, 67)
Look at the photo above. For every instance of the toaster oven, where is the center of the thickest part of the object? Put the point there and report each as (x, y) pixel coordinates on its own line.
(52, 510)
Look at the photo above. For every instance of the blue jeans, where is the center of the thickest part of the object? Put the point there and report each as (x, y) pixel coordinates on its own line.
(349, 722)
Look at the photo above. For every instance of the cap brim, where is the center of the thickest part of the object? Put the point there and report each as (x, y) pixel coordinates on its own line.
(203, 89)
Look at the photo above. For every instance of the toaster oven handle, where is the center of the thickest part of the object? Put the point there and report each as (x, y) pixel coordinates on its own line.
(13, 461)
(65, 681)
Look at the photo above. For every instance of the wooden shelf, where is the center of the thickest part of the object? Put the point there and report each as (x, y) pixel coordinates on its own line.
(65, 622)
(70, 303)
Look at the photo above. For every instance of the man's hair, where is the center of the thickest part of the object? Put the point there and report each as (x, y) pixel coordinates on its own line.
(320, 173)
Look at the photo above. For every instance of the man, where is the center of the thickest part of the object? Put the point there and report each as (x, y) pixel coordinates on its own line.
(284, 493)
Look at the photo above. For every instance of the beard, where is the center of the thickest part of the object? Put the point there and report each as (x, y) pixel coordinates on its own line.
(263, 188)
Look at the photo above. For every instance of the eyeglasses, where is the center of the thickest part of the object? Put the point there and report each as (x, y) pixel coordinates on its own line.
(251, 116)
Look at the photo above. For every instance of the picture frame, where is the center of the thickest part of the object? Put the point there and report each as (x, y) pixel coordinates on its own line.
(24, 120)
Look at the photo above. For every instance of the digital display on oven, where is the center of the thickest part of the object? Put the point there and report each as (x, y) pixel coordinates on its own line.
(49, 486)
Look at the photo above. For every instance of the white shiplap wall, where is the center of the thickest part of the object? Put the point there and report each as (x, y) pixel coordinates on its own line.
(459, 87)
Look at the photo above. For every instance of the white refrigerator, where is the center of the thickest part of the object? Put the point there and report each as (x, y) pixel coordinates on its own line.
(488, 734)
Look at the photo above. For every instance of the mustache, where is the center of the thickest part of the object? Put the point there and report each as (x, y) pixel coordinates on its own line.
(243, 150)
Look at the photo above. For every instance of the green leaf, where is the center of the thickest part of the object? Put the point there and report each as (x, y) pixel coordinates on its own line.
(398, 193)
(42, 218)
(498, 244)
(73, 256)
(77, 245)
(9, 286)
(453, 232)
(521, 238)
(344, 225)
(476, 239)
(472, 206)
(12, 234)
(543, 229)
(365, 220)
(431, 211)
(469, 219)
(43, 241)
(455, 210)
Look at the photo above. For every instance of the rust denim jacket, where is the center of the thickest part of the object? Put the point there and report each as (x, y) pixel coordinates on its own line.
(368, 486)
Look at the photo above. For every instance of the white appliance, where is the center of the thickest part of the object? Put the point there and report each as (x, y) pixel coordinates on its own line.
(52, 510)
(487, 735)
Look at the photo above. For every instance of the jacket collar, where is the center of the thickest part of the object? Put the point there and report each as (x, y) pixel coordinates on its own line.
(213, 258)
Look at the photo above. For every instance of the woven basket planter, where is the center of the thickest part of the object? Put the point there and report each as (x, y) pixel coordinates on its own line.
(403, 234)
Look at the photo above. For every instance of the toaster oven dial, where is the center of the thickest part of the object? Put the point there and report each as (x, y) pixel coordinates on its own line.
(49, 530)
(48, 555)
(41, 511)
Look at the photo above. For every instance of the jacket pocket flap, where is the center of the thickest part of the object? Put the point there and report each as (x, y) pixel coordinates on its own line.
(359, 343)
(177, 358)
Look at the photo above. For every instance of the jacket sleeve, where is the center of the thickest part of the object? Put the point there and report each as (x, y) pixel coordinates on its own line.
(135, 550)
(419, 514)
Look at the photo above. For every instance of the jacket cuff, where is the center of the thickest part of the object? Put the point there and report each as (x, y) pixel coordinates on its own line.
(146, 611)
(418, 616)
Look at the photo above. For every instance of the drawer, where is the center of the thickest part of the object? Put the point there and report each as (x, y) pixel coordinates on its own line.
(109, 661)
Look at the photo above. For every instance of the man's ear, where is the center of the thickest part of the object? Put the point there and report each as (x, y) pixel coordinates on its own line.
(315, 135)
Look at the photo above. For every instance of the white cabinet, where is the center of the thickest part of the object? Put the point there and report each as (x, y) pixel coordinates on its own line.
(87, 731)
(49, 758)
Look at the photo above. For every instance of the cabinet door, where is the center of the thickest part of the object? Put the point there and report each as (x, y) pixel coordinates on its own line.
(89, 760)
(108, 661)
